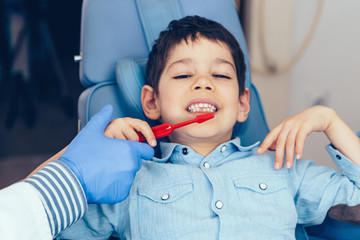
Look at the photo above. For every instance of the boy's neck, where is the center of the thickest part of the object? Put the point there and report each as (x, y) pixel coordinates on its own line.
(203, 148)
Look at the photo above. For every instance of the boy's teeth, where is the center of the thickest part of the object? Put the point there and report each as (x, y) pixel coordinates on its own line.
(201, 107)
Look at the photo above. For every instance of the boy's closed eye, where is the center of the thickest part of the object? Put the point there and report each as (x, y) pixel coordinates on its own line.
(221, 76)
(214, 75)
(182, 76)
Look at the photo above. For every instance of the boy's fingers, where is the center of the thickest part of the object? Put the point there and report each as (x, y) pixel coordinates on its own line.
(289, 155)
(115, 129)
(113, 132)
(151, 141)
(130, 134)
(273, 146)
(118, 135)
(300, 141)
(280, 148)
(279, 154)
(144, 128)
(108, 133)
(279, 157)
(290, 147)
(269, 141)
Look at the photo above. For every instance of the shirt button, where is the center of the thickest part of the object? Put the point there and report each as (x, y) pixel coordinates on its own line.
(223, 149)
(262, 186)
(207, 165)
(165, 197)
(219, 204)
(185, 151)
(338, 157)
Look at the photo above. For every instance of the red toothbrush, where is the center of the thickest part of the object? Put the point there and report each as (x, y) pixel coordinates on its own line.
(166, 128)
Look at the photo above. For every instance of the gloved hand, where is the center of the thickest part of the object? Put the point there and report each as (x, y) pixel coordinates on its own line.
(105, 167)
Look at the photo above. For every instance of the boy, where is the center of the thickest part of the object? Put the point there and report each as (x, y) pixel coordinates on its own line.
(205, 185)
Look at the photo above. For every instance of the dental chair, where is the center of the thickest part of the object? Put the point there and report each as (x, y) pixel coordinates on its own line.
(116, 37)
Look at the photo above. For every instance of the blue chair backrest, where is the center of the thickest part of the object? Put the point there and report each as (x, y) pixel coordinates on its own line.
(116, 36)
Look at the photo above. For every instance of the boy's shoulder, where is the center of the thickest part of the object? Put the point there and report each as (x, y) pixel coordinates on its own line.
(265, 163)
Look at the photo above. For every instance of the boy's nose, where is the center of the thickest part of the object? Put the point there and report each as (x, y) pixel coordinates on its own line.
(203, 83)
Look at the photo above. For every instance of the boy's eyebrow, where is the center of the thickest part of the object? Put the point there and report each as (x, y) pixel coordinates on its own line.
(189, 61)
(183, 61)
(221, 60)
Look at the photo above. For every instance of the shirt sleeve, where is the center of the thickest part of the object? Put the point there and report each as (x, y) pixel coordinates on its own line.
(61, 195)
(345, 165)
(22, 215)
(318, 188)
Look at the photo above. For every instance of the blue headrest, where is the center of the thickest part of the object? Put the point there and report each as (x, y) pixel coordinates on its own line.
(130, 78)
(108, 43)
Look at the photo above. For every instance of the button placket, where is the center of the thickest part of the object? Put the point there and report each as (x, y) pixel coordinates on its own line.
(206, 165)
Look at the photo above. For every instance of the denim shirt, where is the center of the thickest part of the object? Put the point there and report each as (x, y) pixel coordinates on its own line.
(233, 193)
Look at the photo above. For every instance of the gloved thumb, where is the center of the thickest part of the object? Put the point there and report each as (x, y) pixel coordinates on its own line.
(103, 117)
(143, 150)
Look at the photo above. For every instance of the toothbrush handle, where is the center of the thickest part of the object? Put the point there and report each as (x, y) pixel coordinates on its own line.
(159, 131)
(166, 129)
(141, 137)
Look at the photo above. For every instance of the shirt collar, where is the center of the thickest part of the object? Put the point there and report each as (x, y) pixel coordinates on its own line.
(177, 153)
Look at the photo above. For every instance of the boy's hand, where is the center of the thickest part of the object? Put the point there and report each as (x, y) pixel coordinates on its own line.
(105, 167)
(289, 136)
(126, 128)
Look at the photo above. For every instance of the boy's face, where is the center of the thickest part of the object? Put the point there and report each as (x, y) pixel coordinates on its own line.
(199, 77)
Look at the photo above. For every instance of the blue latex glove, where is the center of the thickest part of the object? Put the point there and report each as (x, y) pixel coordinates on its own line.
(105, 167)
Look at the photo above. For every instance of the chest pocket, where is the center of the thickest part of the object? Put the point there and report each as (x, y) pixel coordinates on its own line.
(166, 195)
(164, 212)
(267, 201)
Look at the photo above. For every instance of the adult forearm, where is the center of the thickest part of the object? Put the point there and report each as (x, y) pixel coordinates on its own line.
(43, 205)
(55, 157)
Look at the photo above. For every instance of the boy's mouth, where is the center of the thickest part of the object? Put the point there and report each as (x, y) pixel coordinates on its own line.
(201, 107)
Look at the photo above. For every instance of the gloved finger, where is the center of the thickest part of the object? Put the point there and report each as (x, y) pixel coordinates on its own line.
(102, 118)
(143, 150)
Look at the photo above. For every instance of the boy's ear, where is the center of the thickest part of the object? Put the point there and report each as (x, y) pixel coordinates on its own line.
(149, 103)
(244, 106)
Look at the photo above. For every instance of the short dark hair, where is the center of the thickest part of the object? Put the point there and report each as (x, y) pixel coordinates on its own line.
(191, 28)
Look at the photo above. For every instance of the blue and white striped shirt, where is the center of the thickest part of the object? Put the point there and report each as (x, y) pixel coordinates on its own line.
(61, 194)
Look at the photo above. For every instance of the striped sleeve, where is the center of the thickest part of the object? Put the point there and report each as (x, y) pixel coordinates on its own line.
(61, 194)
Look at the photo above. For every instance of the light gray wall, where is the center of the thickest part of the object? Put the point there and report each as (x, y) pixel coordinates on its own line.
(328, 73)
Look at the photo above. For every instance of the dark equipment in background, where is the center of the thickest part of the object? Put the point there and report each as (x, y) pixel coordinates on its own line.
(17, 86)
